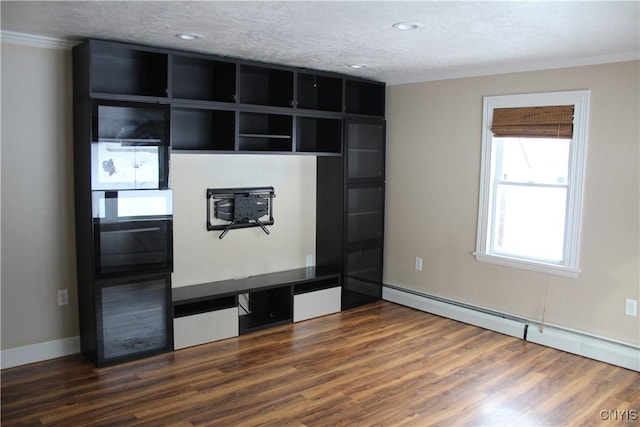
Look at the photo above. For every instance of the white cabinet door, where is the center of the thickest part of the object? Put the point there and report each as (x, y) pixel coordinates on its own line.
(316, 303)
(205, 327)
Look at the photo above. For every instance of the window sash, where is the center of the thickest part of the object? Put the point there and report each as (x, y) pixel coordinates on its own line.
(534, 217)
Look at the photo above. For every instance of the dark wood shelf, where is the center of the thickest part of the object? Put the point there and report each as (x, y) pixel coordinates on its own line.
(315, 103)
(263, 135)
(218, 289)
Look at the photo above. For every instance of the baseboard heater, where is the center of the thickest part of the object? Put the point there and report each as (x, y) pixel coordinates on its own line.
(575, 342)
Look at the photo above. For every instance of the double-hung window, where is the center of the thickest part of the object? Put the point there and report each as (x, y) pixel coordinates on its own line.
(532, 175)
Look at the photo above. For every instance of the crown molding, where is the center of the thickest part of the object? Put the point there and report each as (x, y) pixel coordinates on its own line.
(515, 68)
(36, 41)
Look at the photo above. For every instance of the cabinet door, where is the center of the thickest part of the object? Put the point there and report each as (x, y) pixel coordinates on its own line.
(134, 318)
(129, 146)
(365, 212)
(205, 327)
(364, 263)
(358, 292)
(364, 242)
(365, 150)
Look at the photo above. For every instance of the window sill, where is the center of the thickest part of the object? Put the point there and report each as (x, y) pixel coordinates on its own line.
(557, 270)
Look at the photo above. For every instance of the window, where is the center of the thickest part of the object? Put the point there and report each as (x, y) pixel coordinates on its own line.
(531, 185)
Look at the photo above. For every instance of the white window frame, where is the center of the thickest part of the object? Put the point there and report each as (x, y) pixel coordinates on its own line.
(569, 266)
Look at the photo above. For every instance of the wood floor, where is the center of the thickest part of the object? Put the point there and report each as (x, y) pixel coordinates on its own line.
(379, 365)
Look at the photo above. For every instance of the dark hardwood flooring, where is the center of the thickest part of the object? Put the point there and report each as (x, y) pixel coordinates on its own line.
(378, 365)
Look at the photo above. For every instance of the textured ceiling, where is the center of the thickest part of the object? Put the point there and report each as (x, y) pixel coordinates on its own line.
(458, 38)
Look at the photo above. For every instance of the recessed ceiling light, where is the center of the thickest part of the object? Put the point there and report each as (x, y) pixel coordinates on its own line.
(407, 25)
(188, 36)
(357, 66)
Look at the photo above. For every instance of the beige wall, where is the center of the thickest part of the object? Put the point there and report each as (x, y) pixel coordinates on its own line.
(200, 256)
(433, 170)
(38, 249)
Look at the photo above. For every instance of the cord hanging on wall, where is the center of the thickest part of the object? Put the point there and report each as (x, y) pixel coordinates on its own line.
(239, 208)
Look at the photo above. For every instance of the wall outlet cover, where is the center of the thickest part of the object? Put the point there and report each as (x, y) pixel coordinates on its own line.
(63, 297)
(631, 307)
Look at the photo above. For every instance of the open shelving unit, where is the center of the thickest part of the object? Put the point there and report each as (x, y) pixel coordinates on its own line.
(210, 104)
(251, 304)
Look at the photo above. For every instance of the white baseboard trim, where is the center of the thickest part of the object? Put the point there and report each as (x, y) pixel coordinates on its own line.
(465, 314)
(600, 349)
(19, 356)
(582, 344)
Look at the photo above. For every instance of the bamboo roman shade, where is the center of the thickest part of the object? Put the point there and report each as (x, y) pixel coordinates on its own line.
(534, 122)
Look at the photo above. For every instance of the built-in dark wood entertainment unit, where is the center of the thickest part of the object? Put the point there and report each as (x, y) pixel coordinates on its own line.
(135, 105)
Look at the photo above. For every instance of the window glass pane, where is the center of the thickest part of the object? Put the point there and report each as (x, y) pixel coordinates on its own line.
(529, 222)
(535, 160)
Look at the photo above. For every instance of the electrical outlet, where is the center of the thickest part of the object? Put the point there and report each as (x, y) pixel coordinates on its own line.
(631, 307)
(309, 260)
(418, 264)
(63, 297)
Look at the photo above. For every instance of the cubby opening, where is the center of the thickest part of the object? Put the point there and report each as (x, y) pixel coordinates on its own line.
(203, 79)
(318, 135)
(126, 71)
(266, 86)
(265, 308)
(319, 92)
(203, 130)
(265, 132)
(365, 98)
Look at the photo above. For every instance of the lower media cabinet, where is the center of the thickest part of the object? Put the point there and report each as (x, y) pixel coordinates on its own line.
(217, 310)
